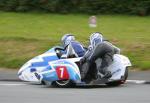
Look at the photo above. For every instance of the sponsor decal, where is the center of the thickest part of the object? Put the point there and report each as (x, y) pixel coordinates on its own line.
(118, 70)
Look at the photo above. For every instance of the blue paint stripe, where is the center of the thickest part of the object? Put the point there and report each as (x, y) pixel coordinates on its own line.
(50, 76)
(39, 64)
(47, 68)
(45, 61)
(73, 75)
(50, 58)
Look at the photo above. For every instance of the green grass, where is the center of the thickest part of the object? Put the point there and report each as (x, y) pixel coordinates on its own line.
(25, 35)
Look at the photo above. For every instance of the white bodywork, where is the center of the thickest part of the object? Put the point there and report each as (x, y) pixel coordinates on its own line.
(25, 70)
(26, 75)
(117, 68)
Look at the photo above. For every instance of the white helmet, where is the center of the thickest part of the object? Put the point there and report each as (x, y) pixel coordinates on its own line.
(66, 39)
(95, 38)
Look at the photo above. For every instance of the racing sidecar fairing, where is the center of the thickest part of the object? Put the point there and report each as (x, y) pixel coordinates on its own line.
(37, 64)
(49, 68)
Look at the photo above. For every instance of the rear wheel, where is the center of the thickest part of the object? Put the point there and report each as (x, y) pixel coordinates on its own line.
(117, 83)
(125, 76)
(63, 83)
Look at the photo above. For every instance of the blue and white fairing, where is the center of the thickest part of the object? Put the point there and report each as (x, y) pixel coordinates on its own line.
(37, 64)
(63, 69)
(48, 67)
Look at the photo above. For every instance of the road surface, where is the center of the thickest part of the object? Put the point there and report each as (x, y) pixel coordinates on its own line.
(14, 91)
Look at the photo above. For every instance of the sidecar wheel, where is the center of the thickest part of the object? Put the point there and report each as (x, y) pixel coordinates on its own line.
(63, 83)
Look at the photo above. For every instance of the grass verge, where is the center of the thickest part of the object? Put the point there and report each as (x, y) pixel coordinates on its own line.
(25, 35)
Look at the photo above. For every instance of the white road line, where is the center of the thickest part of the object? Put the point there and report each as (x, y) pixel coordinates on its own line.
(136, 81)
(13, 84)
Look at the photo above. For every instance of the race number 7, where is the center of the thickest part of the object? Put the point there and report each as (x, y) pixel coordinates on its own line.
(62, 72)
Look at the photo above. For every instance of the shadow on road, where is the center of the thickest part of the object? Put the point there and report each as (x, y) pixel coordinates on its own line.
(85, 87)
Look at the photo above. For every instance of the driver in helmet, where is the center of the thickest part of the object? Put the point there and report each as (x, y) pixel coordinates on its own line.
(72, 47)
(98, 48)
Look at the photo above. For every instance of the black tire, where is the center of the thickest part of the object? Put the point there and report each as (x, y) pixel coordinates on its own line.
(63, 83)
(124, 78)
(43, 82)
(46, 83)
(117, 83)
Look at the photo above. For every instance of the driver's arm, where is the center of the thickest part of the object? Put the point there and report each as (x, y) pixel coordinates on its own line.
(70, 51)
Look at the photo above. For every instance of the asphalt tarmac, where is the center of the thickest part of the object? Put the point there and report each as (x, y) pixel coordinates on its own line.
(22, 92)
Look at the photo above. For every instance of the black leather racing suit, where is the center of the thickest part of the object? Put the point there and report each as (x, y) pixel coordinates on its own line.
(105, 52)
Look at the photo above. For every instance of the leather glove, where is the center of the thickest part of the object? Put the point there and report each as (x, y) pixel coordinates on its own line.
(82, 60)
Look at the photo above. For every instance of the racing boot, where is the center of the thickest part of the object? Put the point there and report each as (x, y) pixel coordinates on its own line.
(107, 74)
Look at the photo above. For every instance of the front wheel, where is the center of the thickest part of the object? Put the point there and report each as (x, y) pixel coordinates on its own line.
(119, 82)
(63, 83)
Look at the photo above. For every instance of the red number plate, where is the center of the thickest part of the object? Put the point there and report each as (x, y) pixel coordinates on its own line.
(62, 72)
